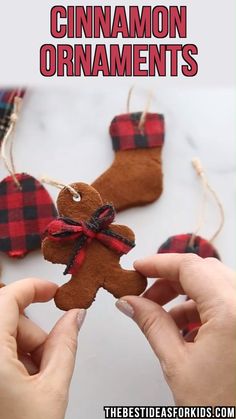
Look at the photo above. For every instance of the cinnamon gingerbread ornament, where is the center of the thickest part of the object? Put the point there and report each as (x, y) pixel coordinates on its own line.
(85, 239)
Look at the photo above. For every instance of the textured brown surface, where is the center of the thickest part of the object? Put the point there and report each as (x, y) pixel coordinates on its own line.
(101, 267)
(134, 178)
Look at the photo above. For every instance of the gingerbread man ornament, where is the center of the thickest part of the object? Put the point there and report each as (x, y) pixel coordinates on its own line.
(84, 239)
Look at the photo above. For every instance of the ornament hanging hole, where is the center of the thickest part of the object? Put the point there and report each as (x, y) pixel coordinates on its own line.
(77, 197)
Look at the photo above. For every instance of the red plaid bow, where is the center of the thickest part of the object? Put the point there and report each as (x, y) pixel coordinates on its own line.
(83, 232)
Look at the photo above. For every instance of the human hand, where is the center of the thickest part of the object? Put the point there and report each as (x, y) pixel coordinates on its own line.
(200, 371)
(35, 367)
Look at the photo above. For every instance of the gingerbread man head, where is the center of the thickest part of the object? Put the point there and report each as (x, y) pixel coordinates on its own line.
(78, 207)
(90, 245)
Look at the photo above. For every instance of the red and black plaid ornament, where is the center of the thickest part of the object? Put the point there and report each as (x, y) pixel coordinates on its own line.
(187, 243)
(25, 206)
(192, 243)
(25, 212)
(7, 98)
(126, 134)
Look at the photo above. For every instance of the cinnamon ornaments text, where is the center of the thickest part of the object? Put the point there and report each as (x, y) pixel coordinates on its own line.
(118, 41)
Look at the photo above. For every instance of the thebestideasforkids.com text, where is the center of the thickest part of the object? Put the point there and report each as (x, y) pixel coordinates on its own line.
(103, 42)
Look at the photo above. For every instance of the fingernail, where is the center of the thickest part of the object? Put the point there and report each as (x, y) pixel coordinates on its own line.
(80, 317)
(125, 308)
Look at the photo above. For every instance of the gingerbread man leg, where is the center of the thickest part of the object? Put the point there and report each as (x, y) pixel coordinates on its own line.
(79, 292)
(122, 282)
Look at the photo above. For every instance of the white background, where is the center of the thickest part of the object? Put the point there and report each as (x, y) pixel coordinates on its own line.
(63, 133)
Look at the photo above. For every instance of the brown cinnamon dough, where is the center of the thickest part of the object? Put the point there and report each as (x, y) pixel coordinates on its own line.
(101, 267)
(135, 176)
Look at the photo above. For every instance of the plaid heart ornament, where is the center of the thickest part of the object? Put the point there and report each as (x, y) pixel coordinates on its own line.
(25, 212)
(183, 243)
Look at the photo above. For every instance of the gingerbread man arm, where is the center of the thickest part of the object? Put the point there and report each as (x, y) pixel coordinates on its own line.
(55, 252)
(123, 231)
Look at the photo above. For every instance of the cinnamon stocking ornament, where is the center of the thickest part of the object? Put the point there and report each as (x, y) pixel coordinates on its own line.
(85, 239)
(135, 176)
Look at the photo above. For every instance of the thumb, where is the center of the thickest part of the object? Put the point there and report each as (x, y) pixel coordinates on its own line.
(60, 348)
(158, 327)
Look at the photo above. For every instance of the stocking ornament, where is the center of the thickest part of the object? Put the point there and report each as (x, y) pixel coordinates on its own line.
(25, 206)
(135, 176)
(192, 242)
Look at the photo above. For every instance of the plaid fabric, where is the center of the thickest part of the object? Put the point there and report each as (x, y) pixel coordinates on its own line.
(6, 107)
(24, 214)
(82, 233)
(180, 244)
(126, 135)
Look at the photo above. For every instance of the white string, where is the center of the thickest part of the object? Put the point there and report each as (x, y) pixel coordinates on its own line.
(207, 187)
(147, 106)
(8, 141)
(129, 99)
(61, 185)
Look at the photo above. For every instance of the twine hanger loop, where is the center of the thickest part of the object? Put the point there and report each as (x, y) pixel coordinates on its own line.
(75, 194)
(7, 155)
(207, 188)
(146, 109)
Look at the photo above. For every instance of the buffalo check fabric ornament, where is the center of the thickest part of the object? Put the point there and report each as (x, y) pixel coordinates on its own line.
(135, 176)
(24, 214)
(7, 97)
(127, 135)
(183, 243)
(189, 243)
(193, 243)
